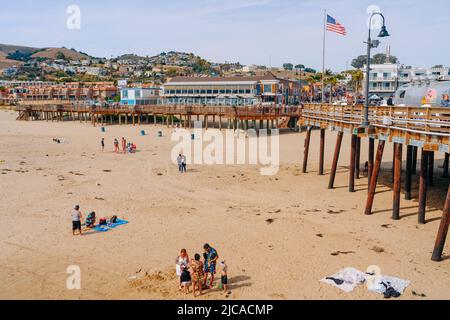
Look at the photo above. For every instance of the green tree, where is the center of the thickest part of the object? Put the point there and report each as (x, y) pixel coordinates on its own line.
(357, 78)
(300, 67)
(288, 66)
(378, 58)
(310, 70)
(60, 56)
(312, 80)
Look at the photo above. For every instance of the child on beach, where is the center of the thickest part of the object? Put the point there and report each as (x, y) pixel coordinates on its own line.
(185, 280)
(224, 275)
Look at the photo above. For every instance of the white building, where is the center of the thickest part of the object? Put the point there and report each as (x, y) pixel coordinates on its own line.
(384, 79)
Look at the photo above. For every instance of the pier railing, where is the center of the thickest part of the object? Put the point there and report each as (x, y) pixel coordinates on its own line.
(423, 120)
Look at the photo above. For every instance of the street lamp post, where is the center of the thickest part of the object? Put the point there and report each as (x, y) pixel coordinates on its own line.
(371, 44)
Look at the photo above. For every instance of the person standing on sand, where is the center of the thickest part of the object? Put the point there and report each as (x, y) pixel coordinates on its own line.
(124, 145)
(224, 275)
(210, 264)
(183, 163)
(116, 145)
(180, 162)
(197, 273)
(181, 263)
(76, 219)
(103, 144)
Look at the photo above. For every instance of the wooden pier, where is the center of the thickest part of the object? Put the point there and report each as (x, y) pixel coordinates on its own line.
(410, 128)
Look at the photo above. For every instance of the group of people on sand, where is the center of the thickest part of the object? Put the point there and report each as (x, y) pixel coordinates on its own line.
(126, 147)
(195, 272)
(181, 162)
(91, 219)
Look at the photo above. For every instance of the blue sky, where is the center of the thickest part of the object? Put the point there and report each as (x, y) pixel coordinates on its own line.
(249, 31)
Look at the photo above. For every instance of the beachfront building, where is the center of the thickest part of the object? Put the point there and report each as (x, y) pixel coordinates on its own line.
(97, 91)
(238, 90)
(385, 79)
(139, 95)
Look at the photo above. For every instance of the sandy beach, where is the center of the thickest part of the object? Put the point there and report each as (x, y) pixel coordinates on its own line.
(279, 234)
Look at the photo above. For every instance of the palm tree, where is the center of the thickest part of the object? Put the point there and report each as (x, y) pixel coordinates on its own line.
(357, 78)
(331, 80)
(312, 80)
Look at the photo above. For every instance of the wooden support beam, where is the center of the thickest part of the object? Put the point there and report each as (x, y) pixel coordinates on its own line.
(430, 168)
(393, 161)
(408, 173)
(374, 178)
(443, 230)
(445, 166)
(351, 176)
(358, 157)
(423, 186)
(370, 161)
(306, 149)
(414, 160)
(322, 151)
(397, 181)
(337, 150)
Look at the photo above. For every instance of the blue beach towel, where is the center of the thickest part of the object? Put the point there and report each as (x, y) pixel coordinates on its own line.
(110, 226)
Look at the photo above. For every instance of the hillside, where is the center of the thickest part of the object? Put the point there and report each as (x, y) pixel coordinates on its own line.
(23, 53)
(51, 53)
(6, 63)
(8, 48)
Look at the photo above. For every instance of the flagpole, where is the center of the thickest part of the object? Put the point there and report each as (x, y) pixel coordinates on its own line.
(323, 54)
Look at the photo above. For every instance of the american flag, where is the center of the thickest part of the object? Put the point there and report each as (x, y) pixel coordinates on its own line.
(334, 26)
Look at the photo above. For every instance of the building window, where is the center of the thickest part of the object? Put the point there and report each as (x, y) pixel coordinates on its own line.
(267, 88)
(138, 93)
(125, 94)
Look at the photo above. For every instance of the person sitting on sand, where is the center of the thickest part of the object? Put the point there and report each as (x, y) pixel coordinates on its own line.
(224, 275)
(197, 274)
(366, 168)
(181, 263)
(90, 220)
(210, 264)
(76, 219)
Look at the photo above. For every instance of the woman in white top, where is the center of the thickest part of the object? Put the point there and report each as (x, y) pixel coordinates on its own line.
(181, 262)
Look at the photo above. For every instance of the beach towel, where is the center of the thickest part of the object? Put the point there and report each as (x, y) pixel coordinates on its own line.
(396, 283)
(348, 278)
(110, 226)
(345, 279)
